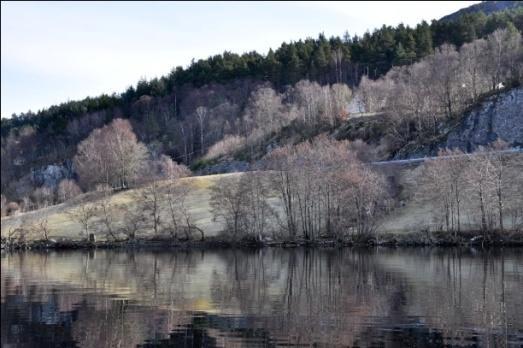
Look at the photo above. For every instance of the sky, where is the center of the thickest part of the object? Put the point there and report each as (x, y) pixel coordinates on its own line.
(52, 52)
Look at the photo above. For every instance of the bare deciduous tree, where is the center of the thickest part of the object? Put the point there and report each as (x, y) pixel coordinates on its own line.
(365, 197)
(41, 228)
(127, 153)
(201, 115)
(241, 203)
(473, 64)
(227, 203)
(503, 54)
(446, 78)
(478, 181)
(164, 168)
(110, 155)
(83, 214)
(43, 197)
(257, 211)
(498, 161)
(481, 183)
(324, 188)
(17, 234)
(106, 215)
(265, 109)
(150, 203)
(372, 95)
(227, 146)
(132, 224)
(340, 95)
(418, 97)
(67, 189)
(443, 182)
(181, 219)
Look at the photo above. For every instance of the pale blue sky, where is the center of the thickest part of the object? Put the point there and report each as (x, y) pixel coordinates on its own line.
(55, 51)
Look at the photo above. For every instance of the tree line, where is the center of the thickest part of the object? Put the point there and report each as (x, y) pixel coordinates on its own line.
(318, 189)
(473, 189)
(109, 153)
(244, 119)
(152, 106)
(325, 60)
(323, 189)
(417, 99)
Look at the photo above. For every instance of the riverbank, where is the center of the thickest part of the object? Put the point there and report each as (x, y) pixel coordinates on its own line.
(413, 212)
(417, 239)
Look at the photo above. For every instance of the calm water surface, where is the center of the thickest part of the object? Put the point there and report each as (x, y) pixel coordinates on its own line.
(271, 297)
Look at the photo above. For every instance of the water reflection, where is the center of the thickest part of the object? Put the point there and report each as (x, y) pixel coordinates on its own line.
(270, 297)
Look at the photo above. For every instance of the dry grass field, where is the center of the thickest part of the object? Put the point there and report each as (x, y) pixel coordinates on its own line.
(61, 225)
(410, 215)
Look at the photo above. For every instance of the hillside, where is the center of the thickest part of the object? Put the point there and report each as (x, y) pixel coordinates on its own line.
(395, 93)
(227, 79)
(497, 117)
(63, 226)
(414, 213)
(486, 7)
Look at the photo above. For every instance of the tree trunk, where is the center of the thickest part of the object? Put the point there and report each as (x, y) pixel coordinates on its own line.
(483, 215)
(500, 208)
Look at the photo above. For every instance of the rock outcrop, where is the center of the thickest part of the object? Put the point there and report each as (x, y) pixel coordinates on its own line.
(499, 117)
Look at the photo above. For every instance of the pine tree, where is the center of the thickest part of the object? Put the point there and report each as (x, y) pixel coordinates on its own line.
(271, 68)
(423, 36)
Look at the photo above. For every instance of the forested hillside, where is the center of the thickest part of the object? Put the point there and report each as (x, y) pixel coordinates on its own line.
(242, 106)
(487, 7)
(325, 60)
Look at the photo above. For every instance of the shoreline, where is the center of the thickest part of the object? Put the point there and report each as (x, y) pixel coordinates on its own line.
(414, 239)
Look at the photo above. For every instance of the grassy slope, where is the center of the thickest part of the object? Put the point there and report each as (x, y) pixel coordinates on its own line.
(61, 225)
(418, 212)
(414, 215)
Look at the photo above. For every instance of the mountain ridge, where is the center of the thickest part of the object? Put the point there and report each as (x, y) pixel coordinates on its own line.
(487, 7)
(226, 100)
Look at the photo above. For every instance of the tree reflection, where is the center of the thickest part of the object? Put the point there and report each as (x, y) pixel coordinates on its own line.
(267, 296)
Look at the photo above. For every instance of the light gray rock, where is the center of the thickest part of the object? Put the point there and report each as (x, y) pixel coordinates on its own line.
(49, 175)
(499, 117)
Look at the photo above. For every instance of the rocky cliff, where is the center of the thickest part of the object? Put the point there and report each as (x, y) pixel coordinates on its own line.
(497, 117)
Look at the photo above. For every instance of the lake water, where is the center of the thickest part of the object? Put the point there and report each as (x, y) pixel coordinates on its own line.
(270, 297)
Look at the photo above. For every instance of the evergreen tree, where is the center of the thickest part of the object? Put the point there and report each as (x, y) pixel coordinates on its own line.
(318, 59)
(271, 68)
(423, 38)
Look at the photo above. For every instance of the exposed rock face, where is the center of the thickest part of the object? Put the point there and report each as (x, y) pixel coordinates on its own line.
(498, 117)
(50, 175)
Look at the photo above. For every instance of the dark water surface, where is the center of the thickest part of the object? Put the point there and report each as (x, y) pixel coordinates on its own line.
(270, 297)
